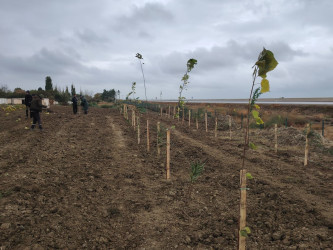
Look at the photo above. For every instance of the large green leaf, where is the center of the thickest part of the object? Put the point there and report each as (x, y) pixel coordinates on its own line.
(266, 62)
(190, 64)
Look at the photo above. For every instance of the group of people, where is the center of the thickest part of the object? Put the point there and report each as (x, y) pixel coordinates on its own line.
(84, 104)
(33, 103)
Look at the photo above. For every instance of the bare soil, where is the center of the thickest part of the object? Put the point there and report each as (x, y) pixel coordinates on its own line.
(86, 183)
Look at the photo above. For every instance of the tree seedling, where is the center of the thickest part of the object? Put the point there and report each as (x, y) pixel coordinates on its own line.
(181, 99)
(139, 56)
(266, 62)
(196, 170)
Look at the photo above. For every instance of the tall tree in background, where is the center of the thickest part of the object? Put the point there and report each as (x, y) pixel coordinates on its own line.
(73, 92)
(48, 84)
(108, 96)
(67, 93)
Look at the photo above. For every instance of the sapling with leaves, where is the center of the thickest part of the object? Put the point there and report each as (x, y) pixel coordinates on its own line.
(139, 56)
(266, 62)
(132, 92)
(181, 99)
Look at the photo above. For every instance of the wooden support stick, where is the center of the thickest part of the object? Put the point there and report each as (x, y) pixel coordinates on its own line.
(134, 120)
(307, 145)
(168, 156)
(178, 112)
(148, 144)
(189, 118)
(230, 125)
(174, 112)
(206, 121)
(124, 111)
(276, 141)
(242, 210)
(215, 127)
(161, 111)
(138, 122)
(183, 116)
(197, 123)
(169, 113)
(158, 138)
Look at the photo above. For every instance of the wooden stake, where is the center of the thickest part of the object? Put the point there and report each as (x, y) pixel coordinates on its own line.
(197, 124)
(189, 118)
(242, 210)
(307, 145)
(158, 138)
(169, 113)
(206, 121)
(178, 110)
(276, 141)
(161, 111)
(138, 122)
(183, 116)
(134, 120)
(230, 125)
(168, 156)
(215, 127)
(148, 144)
(174, 112)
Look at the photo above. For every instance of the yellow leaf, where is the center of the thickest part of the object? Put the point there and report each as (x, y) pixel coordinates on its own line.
(264, 85)
(255, 114)
(259, 120)
(256, 106)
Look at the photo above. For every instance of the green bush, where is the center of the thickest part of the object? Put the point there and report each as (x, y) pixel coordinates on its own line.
(279, 120)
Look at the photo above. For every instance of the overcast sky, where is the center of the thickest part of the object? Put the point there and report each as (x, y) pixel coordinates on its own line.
(92, 44)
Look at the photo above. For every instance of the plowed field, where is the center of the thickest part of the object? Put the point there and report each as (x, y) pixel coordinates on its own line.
(86, 183)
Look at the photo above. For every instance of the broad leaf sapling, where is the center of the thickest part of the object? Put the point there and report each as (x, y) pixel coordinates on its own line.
(265, 63)
(139, 56)
(181, 100)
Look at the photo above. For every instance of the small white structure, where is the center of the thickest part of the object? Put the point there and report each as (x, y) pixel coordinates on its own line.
(46, 102)
(16, 101)
(3, 100)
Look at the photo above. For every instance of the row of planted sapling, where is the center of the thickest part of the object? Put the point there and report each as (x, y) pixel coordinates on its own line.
(265, 63)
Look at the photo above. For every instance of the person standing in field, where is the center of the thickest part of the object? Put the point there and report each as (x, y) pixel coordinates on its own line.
(84, 104)
(74, 101)
(35, 108)
(27, 102)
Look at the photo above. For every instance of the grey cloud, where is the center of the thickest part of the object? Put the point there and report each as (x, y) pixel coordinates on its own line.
(43, 62)
(149, 16)
(283, 52)
(91, 37)
(233, 54)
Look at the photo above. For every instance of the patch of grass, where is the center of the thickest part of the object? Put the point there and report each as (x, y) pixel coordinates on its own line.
(5, 193)
(105, 106)
(277, 119)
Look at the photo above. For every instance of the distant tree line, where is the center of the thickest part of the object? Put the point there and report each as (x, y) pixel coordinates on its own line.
(60, 95)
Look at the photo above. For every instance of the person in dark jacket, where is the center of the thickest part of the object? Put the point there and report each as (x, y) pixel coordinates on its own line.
(35, 108)
(27, 102)
(74, 101)
(84, 104)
